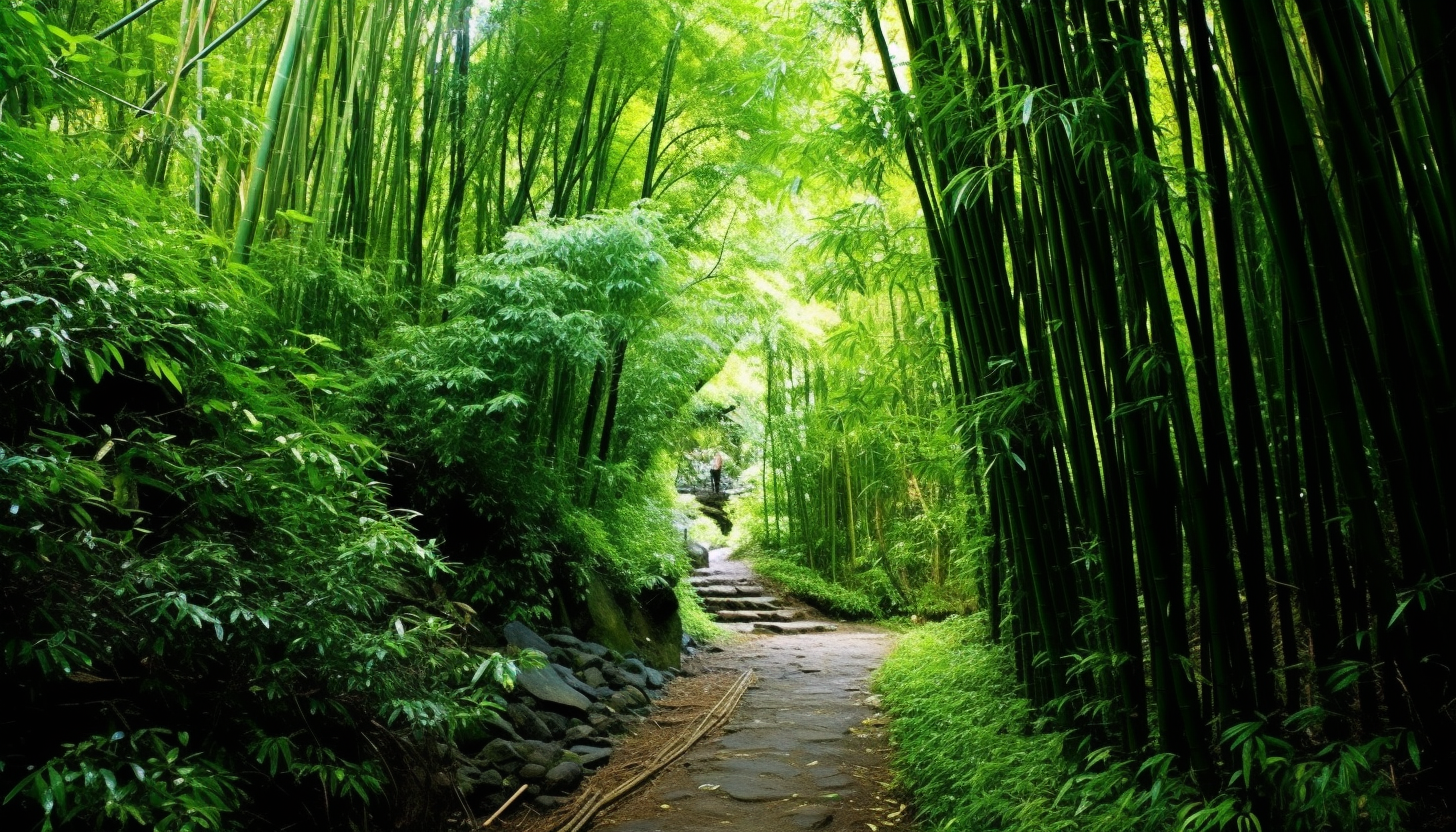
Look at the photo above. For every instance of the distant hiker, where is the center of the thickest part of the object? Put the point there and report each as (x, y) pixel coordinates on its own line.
(715, 470)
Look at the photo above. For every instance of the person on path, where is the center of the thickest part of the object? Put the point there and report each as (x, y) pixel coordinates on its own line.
(715, 470)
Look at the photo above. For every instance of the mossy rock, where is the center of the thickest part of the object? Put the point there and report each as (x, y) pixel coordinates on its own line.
(647, 625)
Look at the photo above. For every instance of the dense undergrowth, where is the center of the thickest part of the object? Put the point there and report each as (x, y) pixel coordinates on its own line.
(808, 585)
(975, 754)
(222, 605)
(191, 538)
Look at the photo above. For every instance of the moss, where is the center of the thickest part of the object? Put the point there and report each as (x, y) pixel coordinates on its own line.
(647, 624)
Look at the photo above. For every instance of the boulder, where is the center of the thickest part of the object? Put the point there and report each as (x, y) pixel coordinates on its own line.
(548, 803)
(620, 676)
(500, 751)
(563, 777)
(592, 755)
(655, 677)
(589, 691)
(503, 755)
(563, 640)
(645, 623)
(544, 684)
(593, 677)
(555, 723)
(580, 659)
(543, 754)
(635, 696)
(532, 771)
(527, 722)
(578, 732)
(601, 651)
(470, 778)
(697, 555)
(608, 724)
(471, 737)
(520, 636)
(497, 723)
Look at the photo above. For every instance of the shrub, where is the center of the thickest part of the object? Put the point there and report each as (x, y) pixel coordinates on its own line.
(205, 593)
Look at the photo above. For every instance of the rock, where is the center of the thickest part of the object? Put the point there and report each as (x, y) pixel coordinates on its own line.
(620, 677)
(750, 788)
(601, 651)
(527, 722)
(543, 754)
(589, 691)
(636, 696)
(502, 751)
(521, 636)
(549, 803)
(563, 777)
(470, 778)
(811, 817)
(471, 737)
(655, 677)
(564, 640)
(697, 555)
(496, 723)
(646, 622)
(688, 641)
(591, 755)
(608, 724)
(593, 676)
(580, 659)
(532, 771)
(544, 684)
(490, 779)
(579, 732)
(555, 723)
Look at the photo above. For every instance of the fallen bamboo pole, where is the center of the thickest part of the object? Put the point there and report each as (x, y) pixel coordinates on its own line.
(506, 805)
(595, 801)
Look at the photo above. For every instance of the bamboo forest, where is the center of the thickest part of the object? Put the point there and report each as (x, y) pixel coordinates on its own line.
(567, 414)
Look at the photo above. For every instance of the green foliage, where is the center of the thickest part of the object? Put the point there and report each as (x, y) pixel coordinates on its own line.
(482, 410)
(696, 620)
(968, 748)
(966, 751)
(142, 778)
(863, 480)
(802, 582)
(181, 504)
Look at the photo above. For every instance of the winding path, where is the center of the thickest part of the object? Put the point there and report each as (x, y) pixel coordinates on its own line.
(805, 749)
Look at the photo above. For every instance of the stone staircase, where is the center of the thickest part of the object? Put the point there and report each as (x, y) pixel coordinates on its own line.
(731, 592)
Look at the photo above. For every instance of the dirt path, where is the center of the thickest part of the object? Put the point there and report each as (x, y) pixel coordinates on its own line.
(803, 751)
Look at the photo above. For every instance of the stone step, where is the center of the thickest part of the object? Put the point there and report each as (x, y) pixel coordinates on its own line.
(729, 590)
(793, 627)
(749, 602)
(721, 579)
(755, 616)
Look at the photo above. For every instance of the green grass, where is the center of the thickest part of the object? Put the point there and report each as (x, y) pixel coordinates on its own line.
(696, 621)
(965, 750)
(806, 584)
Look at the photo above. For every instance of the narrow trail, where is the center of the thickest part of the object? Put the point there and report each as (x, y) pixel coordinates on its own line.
(805, 749)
